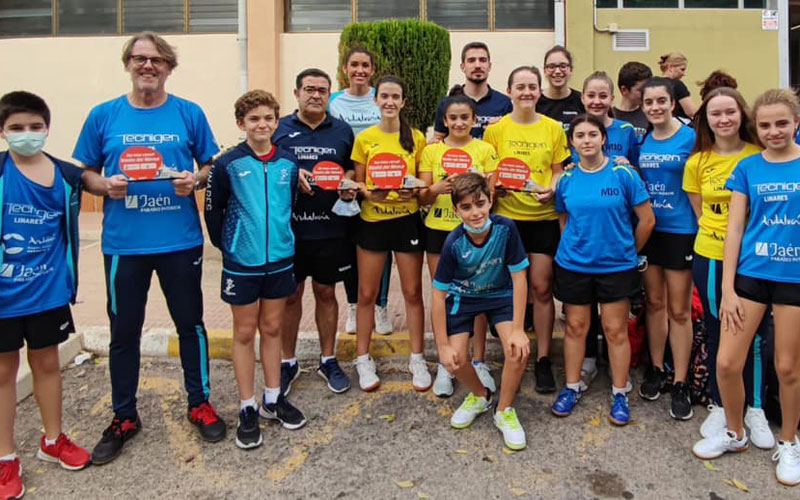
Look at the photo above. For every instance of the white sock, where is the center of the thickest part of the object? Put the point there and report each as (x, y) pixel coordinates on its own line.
(589, 364)
(245, 403)
(325, 359)
(291, 361)
(271, 395)
(617, 390)
(363, 358)
(50, 442)
(10, 456)
(417, 356)
(575, 387)
(477, 362)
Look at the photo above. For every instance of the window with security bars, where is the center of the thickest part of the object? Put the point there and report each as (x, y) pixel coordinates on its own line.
(333, 15)
(114, 17)
(686, 4)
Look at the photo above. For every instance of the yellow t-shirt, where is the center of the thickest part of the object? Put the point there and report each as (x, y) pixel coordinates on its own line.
(706, 174)
(539, 145)
(369, 143)
(484, 159)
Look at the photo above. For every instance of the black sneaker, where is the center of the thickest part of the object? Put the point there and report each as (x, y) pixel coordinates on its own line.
(114, 437)
(289, 374)
(528, 322)
(654, 381)
(545, 383)
(248, 434)
(284, 412)
(209, 425)
(681, 408)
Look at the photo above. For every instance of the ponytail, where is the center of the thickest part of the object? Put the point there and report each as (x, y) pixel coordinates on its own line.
(406, 134)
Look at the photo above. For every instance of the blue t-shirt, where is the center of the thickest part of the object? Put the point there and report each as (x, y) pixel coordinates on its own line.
(661, 163)
(771, 242)
(152, 218)
(598, 236)
(621, 141)
(332, 140)
(468, 270)
(33, 276)
(360, 112)
(489, 108)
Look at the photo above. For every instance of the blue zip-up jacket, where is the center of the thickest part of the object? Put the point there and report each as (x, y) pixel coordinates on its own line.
(71, 175)
(249, 205)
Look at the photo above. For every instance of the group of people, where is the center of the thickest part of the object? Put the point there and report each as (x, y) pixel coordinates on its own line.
(647, 192)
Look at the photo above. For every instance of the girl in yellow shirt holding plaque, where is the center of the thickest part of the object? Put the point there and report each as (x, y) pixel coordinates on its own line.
(442, 162)
(540, 143)
(386, 158)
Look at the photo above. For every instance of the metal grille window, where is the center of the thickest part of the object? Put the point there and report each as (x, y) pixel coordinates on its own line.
(523, 14)
(115, 17)
(459, 14)
(79, 17)
(317, 15)
(26, 17)
(213, 16)
(378, 10)
(684, 4)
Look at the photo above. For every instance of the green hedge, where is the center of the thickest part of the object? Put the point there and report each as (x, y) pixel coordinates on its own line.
(416, 51)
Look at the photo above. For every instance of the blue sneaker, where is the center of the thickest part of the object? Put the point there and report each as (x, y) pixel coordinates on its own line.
(289, 374)
(565, 402)
(620, 413)
(338, 380)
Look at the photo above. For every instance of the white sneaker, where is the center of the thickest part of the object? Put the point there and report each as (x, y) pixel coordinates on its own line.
(760, 433)
(420, 376)
(485, 375)
(714, 422)
(787, 471)
(587, 375)
(469, 410)
(383, 326)
(508, 423)
(443, 385)
(367, 376)
(716, 445)
(350, 324)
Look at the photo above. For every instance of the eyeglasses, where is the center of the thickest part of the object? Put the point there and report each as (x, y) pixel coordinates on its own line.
(322, 91)
(141, 60)
(554, 66)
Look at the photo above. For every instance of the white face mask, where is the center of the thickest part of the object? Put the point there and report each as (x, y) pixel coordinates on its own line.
(26, 143)
(346, 208)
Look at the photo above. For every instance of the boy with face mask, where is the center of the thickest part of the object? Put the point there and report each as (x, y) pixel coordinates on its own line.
(39, 205)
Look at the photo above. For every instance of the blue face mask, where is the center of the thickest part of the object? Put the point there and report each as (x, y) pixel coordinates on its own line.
(478, 230)
(346, 208)
(26, 143)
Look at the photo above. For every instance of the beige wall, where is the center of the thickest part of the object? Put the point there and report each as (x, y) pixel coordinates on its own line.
(320, 50)
(727, 39)
(75, 73)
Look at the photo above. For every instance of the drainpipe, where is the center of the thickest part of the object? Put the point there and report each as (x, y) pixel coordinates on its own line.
(559, 22)
(242, 38)
(783, 44)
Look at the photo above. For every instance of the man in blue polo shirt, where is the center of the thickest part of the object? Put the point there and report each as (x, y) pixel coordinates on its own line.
(322, 249)
(150, 226)
(490, 104)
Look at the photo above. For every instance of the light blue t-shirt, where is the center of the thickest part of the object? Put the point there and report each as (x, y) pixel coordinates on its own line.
(661, 163)
(360, 112)
(771, 242)
(621, 141)
(481, 271)
(598, 237)
(152, 218)
(33, 276)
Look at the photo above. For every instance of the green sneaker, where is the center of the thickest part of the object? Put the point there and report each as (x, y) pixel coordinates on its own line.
(469, 410)
(508, 423)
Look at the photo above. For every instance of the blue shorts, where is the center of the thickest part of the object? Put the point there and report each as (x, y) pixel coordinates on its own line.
(462, 311)
(242, 286)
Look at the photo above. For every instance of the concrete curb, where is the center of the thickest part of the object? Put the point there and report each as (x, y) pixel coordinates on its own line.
(163, 342)
(66, 353)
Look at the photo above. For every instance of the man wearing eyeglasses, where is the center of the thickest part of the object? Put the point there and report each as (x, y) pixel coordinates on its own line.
(322, 249)
(140, 151)
(490, 104)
